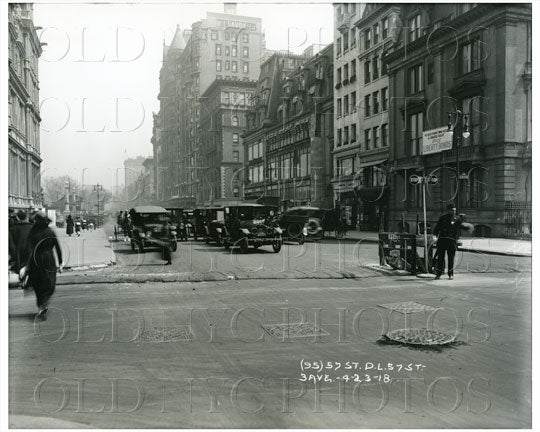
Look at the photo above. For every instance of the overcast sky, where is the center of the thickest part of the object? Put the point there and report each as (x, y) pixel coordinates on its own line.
(99, 74)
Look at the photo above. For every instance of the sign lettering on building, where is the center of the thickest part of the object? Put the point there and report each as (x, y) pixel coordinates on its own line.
(237, 24)
(436, 140)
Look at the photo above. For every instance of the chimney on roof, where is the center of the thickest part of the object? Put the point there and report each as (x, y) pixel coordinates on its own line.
(229, 8)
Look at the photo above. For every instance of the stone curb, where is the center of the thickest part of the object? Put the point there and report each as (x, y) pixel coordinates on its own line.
(81, 279)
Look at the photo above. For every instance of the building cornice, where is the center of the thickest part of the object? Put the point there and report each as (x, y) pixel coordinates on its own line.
(462, 22)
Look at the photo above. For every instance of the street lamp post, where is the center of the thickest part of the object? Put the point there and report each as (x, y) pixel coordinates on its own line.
(98, 188)
(463, 127)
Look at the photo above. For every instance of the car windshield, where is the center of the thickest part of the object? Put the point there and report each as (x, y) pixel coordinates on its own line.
(252, 213)
(147, 218)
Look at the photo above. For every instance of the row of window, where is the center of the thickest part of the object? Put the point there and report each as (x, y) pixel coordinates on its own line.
(255, 150)
(470, 59)
(373, 103)
(374, 138)
(372, 36)
(231, 65)
(231, 51)
(226, 35)
(376, 33)
(373, 69)
(344, 78)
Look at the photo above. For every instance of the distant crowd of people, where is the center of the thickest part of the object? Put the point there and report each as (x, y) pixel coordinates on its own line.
(77, 225)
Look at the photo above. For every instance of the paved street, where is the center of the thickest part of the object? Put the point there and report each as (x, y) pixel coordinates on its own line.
(121, 349)
(128, 355)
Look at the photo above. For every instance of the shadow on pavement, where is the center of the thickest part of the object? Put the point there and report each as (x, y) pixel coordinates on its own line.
(30, 316)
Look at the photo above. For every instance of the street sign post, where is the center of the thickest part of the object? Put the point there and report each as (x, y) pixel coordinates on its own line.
(432, 179)
(415, 179)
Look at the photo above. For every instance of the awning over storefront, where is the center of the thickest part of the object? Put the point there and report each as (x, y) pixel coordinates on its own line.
(364, 164)
(371, 193)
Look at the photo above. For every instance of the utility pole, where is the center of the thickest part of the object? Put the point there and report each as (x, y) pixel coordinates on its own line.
(98, 188)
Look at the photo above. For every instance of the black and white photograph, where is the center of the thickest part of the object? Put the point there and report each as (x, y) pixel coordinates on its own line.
(256, 215)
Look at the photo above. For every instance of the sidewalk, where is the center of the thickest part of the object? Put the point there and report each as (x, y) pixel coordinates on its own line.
(497, 246)
(89, 250)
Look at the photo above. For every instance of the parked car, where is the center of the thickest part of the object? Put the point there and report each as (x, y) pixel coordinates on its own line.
(302, 223)
(150, 226)
(251, 225)
(214, 224)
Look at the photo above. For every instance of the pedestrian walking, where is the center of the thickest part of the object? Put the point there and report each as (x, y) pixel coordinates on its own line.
(69, 225)
(41, 265)
(18, 239)
(447, 231)
(166, 244)
(78, 226)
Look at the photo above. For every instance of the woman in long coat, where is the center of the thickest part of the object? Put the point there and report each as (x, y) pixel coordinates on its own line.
(41, 263)
(69, 225)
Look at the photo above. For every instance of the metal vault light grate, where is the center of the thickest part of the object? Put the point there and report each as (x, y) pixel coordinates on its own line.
(408, 307)
(420, 336)
(293, 330)
(166, 334)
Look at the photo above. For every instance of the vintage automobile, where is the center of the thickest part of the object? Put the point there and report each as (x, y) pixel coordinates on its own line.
(302, 223)
(251, 225)
(179, 220)
(149, 226)
(214, 222)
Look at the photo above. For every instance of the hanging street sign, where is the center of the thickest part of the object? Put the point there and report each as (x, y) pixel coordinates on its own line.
(415, 179)
(436, 140)
(432, 179)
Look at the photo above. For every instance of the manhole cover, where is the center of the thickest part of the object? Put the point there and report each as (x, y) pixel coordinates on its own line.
(421, 336)
(408, 307)
(166, 334)
(294, 330)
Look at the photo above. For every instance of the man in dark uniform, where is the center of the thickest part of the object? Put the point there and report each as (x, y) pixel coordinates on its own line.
(447, 231)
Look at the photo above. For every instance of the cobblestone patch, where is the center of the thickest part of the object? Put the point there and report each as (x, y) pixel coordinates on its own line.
(292, 330)
(408, 307)
(166, 334)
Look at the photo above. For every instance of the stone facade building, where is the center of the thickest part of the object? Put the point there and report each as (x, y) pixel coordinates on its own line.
(223, 118)
(288, 141)
(474, 62)
(24, 118)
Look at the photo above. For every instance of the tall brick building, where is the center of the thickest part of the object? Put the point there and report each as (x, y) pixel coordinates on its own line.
(222, 46)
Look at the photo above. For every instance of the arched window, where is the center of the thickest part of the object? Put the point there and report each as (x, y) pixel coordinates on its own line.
(235, 121)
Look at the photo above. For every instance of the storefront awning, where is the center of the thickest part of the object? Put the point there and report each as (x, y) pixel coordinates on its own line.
(371, 193)
(371, 163)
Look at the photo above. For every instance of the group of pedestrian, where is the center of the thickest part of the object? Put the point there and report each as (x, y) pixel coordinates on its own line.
(31, 249)
(77, 225)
